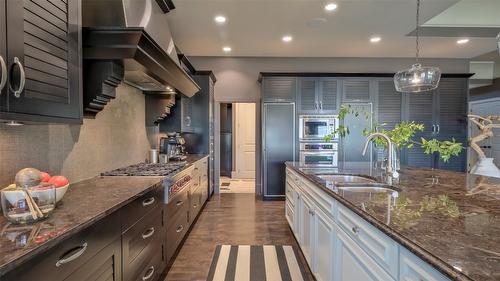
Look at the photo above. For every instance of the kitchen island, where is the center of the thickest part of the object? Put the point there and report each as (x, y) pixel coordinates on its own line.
(428, 225)
(92, 224)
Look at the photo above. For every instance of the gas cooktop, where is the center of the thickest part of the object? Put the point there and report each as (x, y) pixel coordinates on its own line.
(147, 169)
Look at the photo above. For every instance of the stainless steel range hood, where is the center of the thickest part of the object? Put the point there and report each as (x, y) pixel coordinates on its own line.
(136, 33)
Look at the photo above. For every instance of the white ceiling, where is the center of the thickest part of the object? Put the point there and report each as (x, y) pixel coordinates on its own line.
(255, 28)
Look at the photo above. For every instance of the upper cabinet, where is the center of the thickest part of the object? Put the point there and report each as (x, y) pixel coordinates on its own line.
(318, 95)
(356, 90)
(42, 60)
(278, 89)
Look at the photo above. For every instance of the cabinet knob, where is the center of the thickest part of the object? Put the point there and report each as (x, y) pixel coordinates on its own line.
(179, 228)
(3, 69)
(355, 229)
(22, 78)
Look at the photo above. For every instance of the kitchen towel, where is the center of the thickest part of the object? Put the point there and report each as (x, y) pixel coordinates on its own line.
(256, 263)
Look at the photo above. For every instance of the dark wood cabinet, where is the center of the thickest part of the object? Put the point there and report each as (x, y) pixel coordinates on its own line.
(83, 254)
(442, 111)
(318, 95)
(279, 89)
(43, 60)
(3, 59)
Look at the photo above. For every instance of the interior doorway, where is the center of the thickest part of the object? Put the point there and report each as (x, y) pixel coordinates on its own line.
(237, 147)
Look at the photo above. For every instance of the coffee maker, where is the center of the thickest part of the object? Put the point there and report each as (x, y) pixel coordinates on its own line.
(173, 147)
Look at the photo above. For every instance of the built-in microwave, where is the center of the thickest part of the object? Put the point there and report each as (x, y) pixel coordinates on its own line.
(316, 127)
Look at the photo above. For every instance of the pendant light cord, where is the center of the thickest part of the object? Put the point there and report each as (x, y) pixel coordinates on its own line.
(417, 53)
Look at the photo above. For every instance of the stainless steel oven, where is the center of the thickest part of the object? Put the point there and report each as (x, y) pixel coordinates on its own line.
(316, 127)
(319, 154)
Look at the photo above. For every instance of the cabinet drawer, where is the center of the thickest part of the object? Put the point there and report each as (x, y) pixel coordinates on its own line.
(65, 258)
(413, 268)
(321, 198)
(153, 269)
(179, 203)
(379, 246)
(136, 209)
(290, 192)
(140, 242)
(195, 201)
(175, 232)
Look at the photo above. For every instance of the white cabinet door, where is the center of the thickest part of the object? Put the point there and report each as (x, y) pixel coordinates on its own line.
(323, 246)
(307, 228)
(413, 268)
(352, 263)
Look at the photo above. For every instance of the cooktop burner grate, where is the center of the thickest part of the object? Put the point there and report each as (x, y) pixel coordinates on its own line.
(147, 169)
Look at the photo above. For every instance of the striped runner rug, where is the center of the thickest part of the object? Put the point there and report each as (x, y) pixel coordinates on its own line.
(256, 263)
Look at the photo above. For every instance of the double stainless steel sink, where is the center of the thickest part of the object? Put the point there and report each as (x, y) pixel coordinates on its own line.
(354, 183)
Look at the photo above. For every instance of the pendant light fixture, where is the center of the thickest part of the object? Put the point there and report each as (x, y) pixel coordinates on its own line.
(418, 78)
(498, 43)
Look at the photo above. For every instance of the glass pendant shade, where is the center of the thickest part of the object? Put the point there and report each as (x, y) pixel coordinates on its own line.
(417, 79)
(498, 43)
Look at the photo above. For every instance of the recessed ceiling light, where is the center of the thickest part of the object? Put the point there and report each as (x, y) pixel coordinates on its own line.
(220, 19)
(226, 49)
(330, 7)
(375, 39)
(462, 41)
(287, 38)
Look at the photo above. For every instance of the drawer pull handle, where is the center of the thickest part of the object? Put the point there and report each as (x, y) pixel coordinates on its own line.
(148, 233)
(148, 201)
(195, 206)
(179, 228)
(79, 251)
(149, 273)
(355, 229)
(180, 202)
(22, 78)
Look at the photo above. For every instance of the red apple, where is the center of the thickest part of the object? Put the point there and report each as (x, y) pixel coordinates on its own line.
(59, 181)
(45, 176)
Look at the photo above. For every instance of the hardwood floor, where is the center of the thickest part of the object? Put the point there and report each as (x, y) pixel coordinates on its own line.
(234, 219)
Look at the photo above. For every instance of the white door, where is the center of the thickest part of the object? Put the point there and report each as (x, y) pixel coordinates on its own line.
(307, 229)
(324, 242)
(491, 146)
(244, 123)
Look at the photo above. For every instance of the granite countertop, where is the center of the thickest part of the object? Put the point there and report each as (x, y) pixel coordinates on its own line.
(85, 203)
(449, 219)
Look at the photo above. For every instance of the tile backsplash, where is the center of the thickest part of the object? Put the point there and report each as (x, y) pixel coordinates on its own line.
(115, 138)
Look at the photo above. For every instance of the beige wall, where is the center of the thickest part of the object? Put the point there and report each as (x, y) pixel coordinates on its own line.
(115, 138)
(237, 76)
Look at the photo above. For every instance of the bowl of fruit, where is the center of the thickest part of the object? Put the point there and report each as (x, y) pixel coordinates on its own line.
(33, 196)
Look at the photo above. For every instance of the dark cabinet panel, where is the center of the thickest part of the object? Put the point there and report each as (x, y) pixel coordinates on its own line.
(452, 101)
(3, 59)
(278, 88)
(356, 90)
(328, 96)
(43, 56)
(105, 265)
(307, 96)
(390, 104)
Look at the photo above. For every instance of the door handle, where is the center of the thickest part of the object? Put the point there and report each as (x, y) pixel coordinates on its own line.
(77, 254)
(321, 105)
(179, 228)
(148, 201)
(148, 233)
(3, 69)
(438, 129)
(22, 78)
(433, 128)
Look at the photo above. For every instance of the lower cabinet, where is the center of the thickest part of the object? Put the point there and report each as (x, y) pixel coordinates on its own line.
(342, 246)
(354, 264)
(324, 246)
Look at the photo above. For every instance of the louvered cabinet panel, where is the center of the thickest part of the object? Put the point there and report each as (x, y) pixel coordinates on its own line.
(3, 56)
(389, 105)
(356, 90)
(44, 36)
(328, 96)
(452, 109)
(308, 96)
(279, 88)
(421, 110)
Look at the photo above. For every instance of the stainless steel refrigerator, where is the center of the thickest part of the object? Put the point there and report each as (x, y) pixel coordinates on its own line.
(278, 146)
